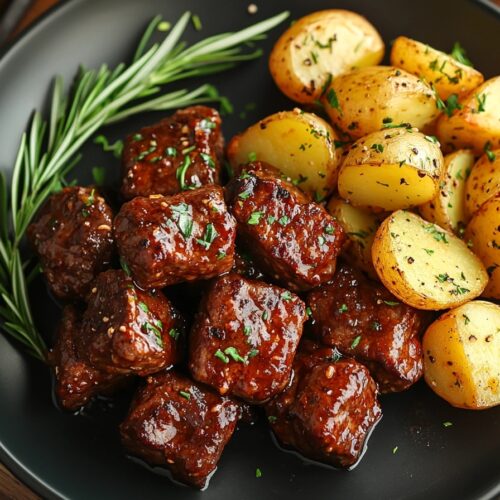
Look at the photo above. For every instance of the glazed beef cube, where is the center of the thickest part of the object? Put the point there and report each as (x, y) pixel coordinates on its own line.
(362, 319)
(184, 150)
(76, 380)
(244, 338)
(128, 330)
(328, 410)
(168, 240)
(294, 240)
(180, 424)
(72, 236)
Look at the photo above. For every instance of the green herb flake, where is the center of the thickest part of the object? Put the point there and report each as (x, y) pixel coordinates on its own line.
(272, 419)
(137, 137)
(171, 151)
(185, 395)
(466, 319)
(182, 216)
(286, 295)
(99, 175)
(271, 219)
(329, 229)
(252, 156)
(221, 255)
(395, 449)
(355, 342)
(209, 236)
(265, 315)
(489, 153)
(258, 472)
(85, 212)
(208, 160)
(245, 194)
(333, 101)
(308, 311)
(195, 19)
(284, 220)
(376, 326)
(91, 198)
(436, 234)
(429, 251)
(391, 303)
(481, 102)
(343, 308)
(143, 307)
(447, 424)
(234, 354)
(181, 171)
(254, 218)
(174, 333)
(458, 53)
(220, 355)
(378, 148)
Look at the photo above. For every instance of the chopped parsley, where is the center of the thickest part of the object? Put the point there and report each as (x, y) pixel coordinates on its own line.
(284, 220)
(376, 326)
(220, 355)
(458, 53)
(429, 251)
(308, 311)
(234, 354)
(124, 266)
(391, 303)
(355, 342)
(333, 101)
(91, 198)
(254, 218)
(174, 333)
(272, 419)
(221, 254)
(378, 148)
(447, 424)
(170, 151)
(436, 234)
(185, 395)
(394, 450)
(208, 237)
(182, 216)
(258, 472)
(489, 153)
(181, 173)
(329, 229)
(152, 328)
(466, 319)
(143, 307)
(343, 308)
(481, 101)
(137, 137)
(286, 295)
(208, 160)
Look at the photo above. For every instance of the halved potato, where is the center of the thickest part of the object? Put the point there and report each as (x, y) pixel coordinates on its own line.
(475, 124)
(483, 235)
(367, 99)
(391, 169)
(360, 227)
(462, 355)
(319, 46)
(443, 71)
(447, 208)
(301, 145)
(483, 182)
(425, 266)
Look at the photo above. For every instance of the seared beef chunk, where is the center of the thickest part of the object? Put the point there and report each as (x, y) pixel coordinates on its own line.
(76, 380)
(179, 424)
(245, 337)
(182, 150)
(168, 240)
(72, 236)
(295, 241)
(328, 408)
(362, 319)
(128, 330)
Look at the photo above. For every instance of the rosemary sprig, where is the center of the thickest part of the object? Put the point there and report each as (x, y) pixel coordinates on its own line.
(49, 149)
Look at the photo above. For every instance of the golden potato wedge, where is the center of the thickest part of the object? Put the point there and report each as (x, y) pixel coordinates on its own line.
(364, 100)
(425, 266)
(391, 169)
(301, 145)
(443, 71)
(483, 182)
(319, 46)
(475, 123)
(447, 208)
(462, 355)
(483, 236)
(360, 227)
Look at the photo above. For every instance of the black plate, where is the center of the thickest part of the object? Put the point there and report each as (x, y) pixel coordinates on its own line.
(62, 456)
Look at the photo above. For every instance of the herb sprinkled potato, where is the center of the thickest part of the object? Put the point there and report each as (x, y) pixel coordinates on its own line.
(425, 266)
(391, 169)
(368, 99)
(483, 182)
(447, 208)
(444, 71)
(473, 121)
(302, 145)
(320, 46)
(483, 235)
(462, 355)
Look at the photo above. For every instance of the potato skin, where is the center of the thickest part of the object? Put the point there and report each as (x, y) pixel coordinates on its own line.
(472, 125)
(461, 353)
(362, 101)
(483, 234)
(447, 208)
(443, 71)
(425, 266)
(320, 45)
(483, 182)
(391, 169)
(301, 145)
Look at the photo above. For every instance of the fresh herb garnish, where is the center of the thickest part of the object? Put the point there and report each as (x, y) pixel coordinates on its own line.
(208, 237)
(333, 101)
(489, 153)
(116, 148)
(174, 333)
(185, 395)
(391, 303)
(220, 355)
(234, 354)
(254, 218)
(181, 171)
(286, 295)
(208, 160)
(355, 342)
(343, 308)
(182, 216)
(458, 53)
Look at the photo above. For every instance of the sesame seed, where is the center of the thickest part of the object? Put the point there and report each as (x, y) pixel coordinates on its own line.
(105, 319)
(329, 372)
(104, 227)
(122, 328)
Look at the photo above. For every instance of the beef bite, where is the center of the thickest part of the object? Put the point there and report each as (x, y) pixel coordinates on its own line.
(128, 330)
(169, 240)
(328, 409)
(177, 423)
(184, 150)
(76, 380)
(362, 319)
(244, 338)
(294, 240)
(72, 236)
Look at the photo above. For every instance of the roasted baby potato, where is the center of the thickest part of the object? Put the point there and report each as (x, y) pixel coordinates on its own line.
(475, 121)
(301, 145)
(483, 235)
(483, 182)
(367, 99)
(391, 169)
(360, 227)
(462, 355)
(443, 71)
(319, 46)
(425, 266)
(447, 208)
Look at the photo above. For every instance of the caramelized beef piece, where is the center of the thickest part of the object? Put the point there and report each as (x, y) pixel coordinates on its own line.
(168, 240)
(328, 409)
(180, 424)
(362, 319)
(188, 144)
(76, 380)
(294, 240)
(72, 236)
(245, 337)
(128, 330)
